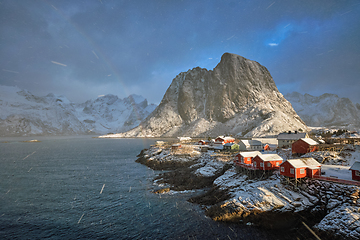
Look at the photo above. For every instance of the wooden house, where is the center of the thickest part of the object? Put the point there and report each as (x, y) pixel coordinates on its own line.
(355, 170)
(300, 168)
(267, 161)
(201, 142)
(223, 140)
(231, 147)
(285, 140)
(175, 147)
(245, 157)
(250, 145)
(304, 145)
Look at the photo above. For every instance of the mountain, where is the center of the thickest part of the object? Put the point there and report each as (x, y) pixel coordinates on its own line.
(237, 97)
(327, 110)
(23, 114)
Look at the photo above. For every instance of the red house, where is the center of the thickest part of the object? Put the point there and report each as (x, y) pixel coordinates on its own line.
(223, 140)
(300, 168)
(245, 157)
(355, 170)
(201, 142)
(267, 161)
(304, 145)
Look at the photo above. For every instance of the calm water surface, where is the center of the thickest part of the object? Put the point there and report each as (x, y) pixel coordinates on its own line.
(89, 188)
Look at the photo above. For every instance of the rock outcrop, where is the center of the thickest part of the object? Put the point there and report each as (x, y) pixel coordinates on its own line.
(237, 97)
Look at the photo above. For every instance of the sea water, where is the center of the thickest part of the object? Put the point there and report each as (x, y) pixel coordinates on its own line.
(91, 188)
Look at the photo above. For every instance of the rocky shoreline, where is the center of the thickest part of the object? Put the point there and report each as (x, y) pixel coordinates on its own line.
(331, 210)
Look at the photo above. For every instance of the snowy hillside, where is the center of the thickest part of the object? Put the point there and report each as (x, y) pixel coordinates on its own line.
(22, 113)
(237, 97)
(327, 110)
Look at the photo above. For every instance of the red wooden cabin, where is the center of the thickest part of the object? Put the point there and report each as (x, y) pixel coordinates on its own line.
(300, 168)
(201, 142)
(267, 161)
(304, 145)
(355, 170)
(223, 140)
(245, 157)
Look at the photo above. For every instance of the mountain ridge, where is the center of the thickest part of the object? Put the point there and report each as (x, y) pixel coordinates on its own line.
(24, 114)
(237, 97)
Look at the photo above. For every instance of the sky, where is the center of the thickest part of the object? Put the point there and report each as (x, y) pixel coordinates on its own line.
(85, 49)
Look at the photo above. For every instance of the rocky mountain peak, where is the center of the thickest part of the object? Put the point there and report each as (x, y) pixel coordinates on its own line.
(200, 101)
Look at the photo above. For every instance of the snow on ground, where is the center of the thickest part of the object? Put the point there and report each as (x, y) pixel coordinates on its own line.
(341, 172)
(344, 221)
(263, 195)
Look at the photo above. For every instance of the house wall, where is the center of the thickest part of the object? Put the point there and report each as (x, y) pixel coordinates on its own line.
(355, 175)
(302, 147)
(266, 166)
(287, 166)
(242, 146)
(313, 172)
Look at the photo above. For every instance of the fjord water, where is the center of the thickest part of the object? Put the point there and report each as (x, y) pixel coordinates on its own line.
(90, 188)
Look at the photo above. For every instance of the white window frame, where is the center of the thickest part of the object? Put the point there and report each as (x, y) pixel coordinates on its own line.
(302, 171)
(357, 173)
(261, 164)
(277, 164)
(292, 171)
(269, 164)
(282, 169)
(254, 164)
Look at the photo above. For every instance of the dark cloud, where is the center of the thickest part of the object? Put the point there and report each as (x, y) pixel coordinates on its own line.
(124, 47)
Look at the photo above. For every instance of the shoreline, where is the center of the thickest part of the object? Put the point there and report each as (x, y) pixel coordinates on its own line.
(263, 202)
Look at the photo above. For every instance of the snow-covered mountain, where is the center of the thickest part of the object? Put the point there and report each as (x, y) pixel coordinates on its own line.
(327, 110)
(23, 114)
(237, 97)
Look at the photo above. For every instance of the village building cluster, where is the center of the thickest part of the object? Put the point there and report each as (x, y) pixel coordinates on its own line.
(254, 155)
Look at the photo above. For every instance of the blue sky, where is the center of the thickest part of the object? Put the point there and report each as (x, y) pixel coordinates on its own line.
(83, 49)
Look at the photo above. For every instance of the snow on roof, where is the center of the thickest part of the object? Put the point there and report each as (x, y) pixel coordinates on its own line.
(309, 141)
(355, 166)
(304, 162)
(251, 142)
(270, 157)
(250, 154)
(291, 136)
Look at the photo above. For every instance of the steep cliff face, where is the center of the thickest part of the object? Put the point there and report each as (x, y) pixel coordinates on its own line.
(327, 110)
(237, 97)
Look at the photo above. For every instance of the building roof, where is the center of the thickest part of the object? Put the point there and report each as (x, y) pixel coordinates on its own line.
(251, 142)
(304, 162)
(291, 136)
(250, 154)
(270, 157)
(225, 138)
(355, 166)
(309, 141)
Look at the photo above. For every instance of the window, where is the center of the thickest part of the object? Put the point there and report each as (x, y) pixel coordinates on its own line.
(277, 164)
(269, 164)
(357, 173)
(282, 169)
(302, 171)
(254, 164)
(261, 164)
(292, 171)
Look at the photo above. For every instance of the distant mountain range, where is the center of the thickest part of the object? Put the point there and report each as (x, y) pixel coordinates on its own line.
(24, 114)
(237, 97)
(327, 110)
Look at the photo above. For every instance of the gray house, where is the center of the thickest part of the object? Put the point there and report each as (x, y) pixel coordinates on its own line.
(286, 139)
(250, 145)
